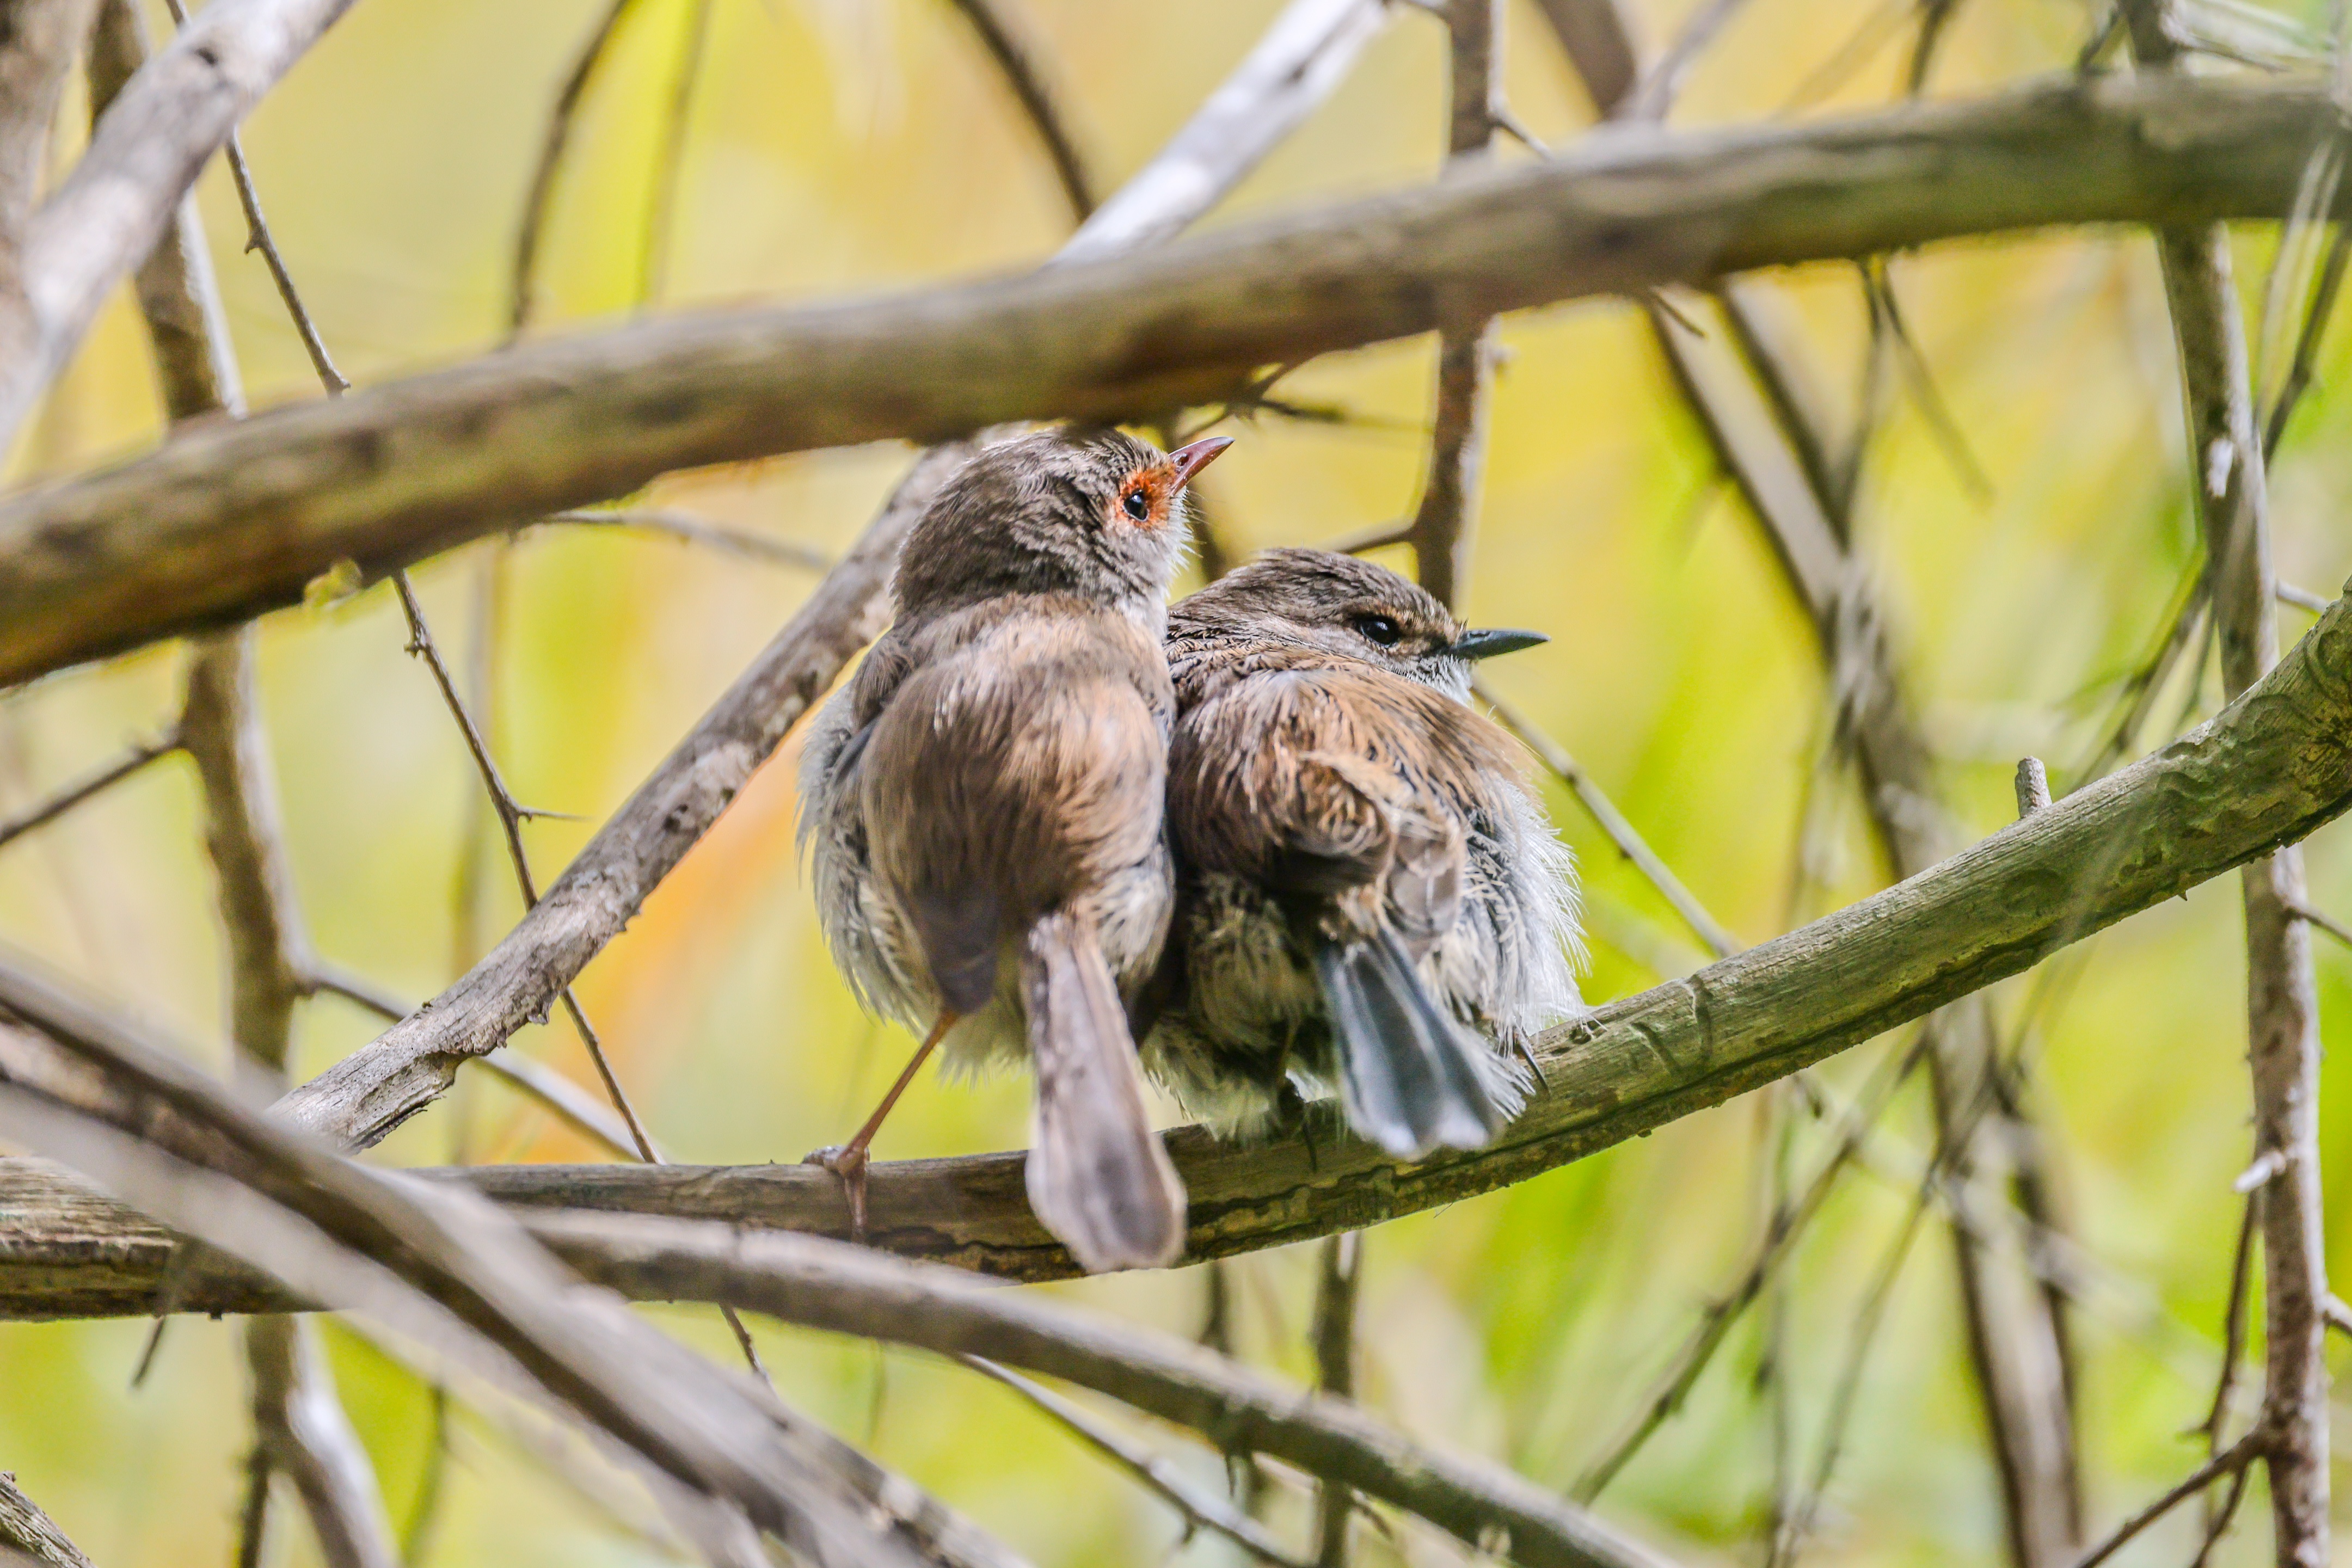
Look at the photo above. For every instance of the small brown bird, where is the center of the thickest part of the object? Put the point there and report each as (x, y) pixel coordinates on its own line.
(1372, 898)
(982, 806)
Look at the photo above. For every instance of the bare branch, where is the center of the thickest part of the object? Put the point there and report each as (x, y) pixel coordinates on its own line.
(1341, 1261)
(25, 1529)
(1005, 34)
(1301, 58)
(2267, 770)
(89, 784)
(301, 1430)
(2235, 1458)
(541, 201)
(445, 1271)
(307, 1440)
(385, 477)
(1448, 510)
(1201, 1510)
(851, 1289)
(119, 200)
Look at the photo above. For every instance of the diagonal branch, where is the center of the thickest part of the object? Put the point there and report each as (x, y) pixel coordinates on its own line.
(1202, 1510)
(1297, 64)
(1003, 33)
(91, 784)
(226, 522)
(2267, 770)
(144, 156)
(449, 1273)
(26, 1530)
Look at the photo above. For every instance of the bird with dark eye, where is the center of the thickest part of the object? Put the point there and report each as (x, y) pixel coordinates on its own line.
(1139, 504)
(1379, 629)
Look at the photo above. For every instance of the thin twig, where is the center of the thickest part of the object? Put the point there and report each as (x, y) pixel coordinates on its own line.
(141, 753)
(258, 237)
(2302, 598)
(2236, 1457)
(1716, 1320)
(1614, 822)
(2334, 927)
(696, 531)
(661, 202)
(1201, 1510)
(1339, 1270)
(1006, 37)
(539, 202)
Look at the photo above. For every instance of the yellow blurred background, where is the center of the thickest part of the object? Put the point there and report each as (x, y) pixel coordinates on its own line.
(840, 146)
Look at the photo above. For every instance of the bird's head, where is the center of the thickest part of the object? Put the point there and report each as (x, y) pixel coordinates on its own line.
(1350, 608)
(1095, 514)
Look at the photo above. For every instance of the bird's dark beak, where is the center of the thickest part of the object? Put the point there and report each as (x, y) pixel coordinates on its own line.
(1486, 645)
(1191, 460)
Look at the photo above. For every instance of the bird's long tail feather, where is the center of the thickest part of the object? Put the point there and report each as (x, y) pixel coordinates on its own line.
(1410, 1076)
(1097, 1175)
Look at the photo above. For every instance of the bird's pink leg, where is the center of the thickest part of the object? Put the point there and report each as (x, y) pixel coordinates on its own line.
(848, 1160)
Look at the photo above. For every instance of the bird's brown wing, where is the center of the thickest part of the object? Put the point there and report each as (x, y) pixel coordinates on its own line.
(1012, 769)
(1339, 785)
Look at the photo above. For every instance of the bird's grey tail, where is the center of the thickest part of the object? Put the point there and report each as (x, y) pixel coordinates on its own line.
(1411, 1076)
(1097, 1175)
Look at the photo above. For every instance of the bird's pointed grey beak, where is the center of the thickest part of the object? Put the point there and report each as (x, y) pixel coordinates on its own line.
(1190, 460)
(1486, 645)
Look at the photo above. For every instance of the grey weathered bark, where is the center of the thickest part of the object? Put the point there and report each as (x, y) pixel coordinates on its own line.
(144, 156)
(2270, 768)
(1747, 391)
(2226, 471)
(26, 1531)
(37, 40)
(450, 1274)
(226, 522)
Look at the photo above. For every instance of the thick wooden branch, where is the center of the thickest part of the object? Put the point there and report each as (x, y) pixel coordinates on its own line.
(144, 157)
(2269, 769)
(222, 524)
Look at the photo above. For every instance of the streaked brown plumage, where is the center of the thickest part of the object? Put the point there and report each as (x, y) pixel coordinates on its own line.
(989, 786)
(1372, 900)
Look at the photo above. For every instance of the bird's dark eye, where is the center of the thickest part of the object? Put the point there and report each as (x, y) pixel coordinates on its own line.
(1139, 504)
(1379, 629)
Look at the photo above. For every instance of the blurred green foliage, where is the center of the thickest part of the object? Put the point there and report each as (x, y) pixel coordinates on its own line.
(836, 147)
